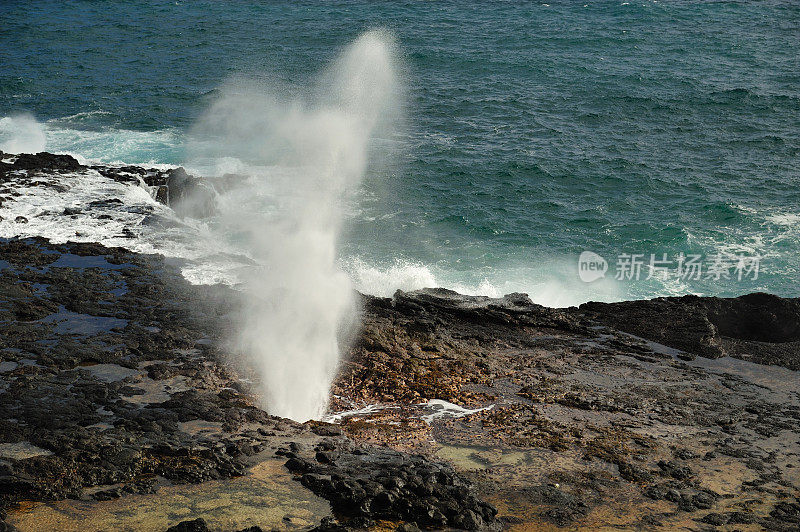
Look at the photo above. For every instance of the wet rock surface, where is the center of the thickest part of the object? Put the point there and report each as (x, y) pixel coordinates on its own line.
(577, 424)
(761, 328)
(80, 327)
(112, 384)
(188, 195)
(364, 485)
(41, 161)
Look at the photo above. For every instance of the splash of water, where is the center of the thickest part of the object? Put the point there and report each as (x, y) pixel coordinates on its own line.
(297, 159)
(21, 134)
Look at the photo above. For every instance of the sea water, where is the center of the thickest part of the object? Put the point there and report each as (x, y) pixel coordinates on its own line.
(531, 132)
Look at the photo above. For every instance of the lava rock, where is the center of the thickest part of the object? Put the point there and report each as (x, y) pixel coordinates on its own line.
(675, 470)
(46, 161)
(196, 525)
(367, 483)
(759, 327)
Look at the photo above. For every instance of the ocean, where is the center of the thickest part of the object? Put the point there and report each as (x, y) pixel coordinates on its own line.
(649, 134)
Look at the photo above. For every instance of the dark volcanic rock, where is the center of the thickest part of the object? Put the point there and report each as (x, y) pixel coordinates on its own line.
(378, 483)
(114, 379)
(78, 355)
(46, 161)
(563, 382)
(756, 317)
(196, 525)
(674, 322)
(187, 195)
(389, 357)
(759, 327)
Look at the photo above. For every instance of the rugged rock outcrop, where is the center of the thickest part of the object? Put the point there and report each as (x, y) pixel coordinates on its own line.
(42, 161)
(189, 196)
(112, 383)
(762, 328)
(103, 369)
(365, 484)
(114, 380)
(571, 420)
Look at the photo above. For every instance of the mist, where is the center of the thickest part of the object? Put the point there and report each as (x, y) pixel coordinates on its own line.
(297, 152)
(21, 134)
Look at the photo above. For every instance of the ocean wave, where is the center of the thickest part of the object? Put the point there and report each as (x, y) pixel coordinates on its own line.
(24, 134)
(76, 207)
(387, 279)
(553, 282)
(21, 134)
(786, 219)
(80, 117)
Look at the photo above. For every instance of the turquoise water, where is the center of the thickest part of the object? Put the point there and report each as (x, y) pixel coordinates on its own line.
(531, 132)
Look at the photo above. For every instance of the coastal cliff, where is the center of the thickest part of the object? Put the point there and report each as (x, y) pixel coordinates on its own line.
(121, 403)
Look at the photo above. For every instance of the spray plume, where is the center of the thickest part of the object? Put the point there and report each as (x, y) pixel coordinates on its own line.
(299, 157)
(21, 134)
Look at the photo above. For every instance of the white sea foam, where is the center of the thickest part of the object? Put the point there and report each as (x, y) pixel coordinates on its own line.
(550, 283)
(21, 134)
(43, 206)
(428, 412)
(385, 281)
(440, 409)
(357, 412)
(113, 224)
(788, 219)
(24, 134)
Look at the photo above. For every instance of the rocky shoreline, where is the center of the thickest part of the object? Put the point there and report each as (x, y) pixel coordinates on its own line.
(451, 412)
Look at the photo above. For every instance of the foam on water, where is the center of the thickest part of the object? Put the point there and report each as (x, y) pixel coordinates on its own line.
(107, 145)
(549, 283)
(429, 411)
(42, 205)
(788, 219)
(357, 412)
(440, 409)
(21, 134)
(400, 275)
(116, 146)
(136, 221)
